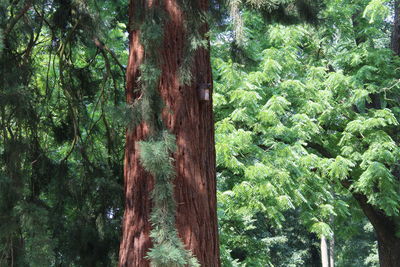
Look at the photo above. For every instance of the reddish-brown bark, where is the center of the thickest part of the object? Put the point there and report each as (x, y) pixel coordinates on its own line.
(191, 120)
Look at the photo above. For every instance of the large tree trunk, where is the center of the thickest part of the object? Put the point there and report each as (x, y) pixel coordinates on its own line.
(389, 251)
(385, 229)
(191, 120)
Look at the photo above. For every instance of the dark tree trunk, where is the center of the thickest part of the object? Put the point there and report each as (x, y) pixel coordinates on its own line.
(395, 42)
(191, 120)
(385, 229)
(389, 251)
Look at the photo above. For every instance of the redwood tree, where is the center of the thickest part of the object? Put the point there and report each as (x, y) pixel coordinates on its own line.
(170, 140)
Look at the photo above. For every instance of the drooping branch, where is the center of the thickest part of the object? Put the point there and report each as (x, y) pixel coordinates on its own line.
(379, 220)
(15, 19)
(102, 46)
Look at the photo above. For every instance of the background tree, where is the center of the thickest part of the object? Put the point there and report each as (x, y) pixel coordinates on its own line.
(61, 143)
(283, 123)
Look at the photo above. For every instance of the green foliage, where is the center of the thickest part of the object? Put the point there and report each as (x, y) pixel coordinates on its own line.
(340, 168)
(300, 111)
(155, 155)
(283, 11)
(319, 109)
(60, 152)
(376, 10)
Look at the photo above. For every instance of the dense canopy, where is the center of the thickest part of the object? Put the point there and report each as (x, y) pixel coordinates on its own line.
(306, 102)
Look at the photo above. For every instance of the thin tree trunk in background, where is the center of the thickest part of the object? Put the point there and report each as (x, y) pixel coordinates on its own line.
(191, 120)
(332, 252)
(324, 252)
(395, 42)
(332, 239)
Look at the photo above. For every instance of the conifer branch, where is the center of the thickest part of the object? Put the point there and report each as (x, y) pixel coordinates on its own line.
(15, 19)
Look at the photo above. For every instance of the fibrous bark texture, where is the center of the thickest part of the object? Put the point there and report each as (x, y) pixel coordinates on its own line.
(191, 120)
